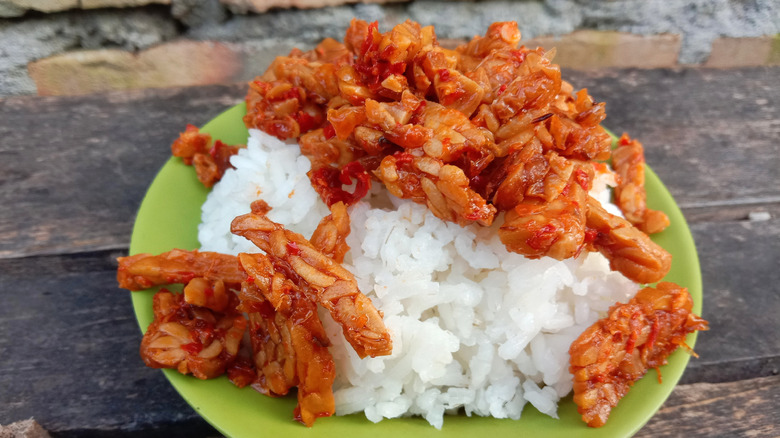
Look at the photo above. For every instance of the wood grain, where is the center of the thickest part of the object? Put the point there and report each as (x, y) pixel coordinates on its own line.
(70, 350)
(748, 408)
(711, 135)
(68, 165)
(740, 274)
(69, 342)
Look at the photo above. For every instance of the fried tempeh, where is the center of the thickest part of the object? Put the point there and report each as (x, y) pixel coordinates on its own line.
(326, 281)
(290, 344)
(628, 161)
(629, 250)
(191, 339)
(444, 188)
(211, 294)
(210, 159)
(272, 351)
(331, 233)
(142, 271)
(469, 132)
(618, 350)
(555, 229)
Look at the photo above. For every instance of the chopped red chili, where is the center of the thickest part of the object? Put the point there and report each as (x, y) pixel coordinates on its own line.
(329, 181)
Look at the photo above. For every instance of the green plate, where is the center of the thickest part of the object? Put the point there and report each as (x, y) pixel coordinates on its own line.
(168, 218)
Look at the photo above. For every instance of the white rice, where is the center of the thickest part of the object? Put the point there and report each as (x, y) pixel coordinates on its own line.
(475, 328)
(269, 170)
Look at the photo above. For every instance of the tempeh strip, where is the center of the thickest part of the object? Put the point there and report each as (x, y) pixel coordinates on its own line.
(272, 350)
(629, 250)
(331, 233)
(330, 284)
(191, 339)
(618, 350)
(629, 163)
(142, 271)
(302, 346)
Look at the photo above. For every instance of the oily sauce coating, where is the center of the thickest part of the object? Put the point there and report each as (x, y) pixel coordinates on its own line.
(331, 233)
(272, 351)
(142, 271)
(324, 280)
(288, 338)
(628, 161)
(290, 98)
(210, 159)
(629, 250)
(443, 188)
(618, 350)
(199, 331)
(556, 228)
(471, 132)
(209, 293)
(192, 339)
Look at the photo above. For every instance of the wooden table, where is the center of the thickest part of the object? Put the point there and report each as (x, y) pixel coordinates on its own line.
(73, 171)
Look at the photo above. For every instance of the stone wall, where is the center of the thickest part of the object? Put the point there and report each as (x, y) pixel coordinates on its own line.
(58, 47)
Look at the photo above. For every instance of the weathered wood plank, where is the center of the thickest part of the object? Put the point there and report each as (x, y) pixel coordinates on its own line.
(732, 212)
(711, 135)
(83, 163)
(88, 160)
(745, 408)
(70, 353)
(741, 301)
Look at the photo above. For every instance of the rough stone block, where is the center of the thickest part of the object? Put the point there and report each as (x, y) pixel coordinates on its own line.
(244, 6)
(195, 13)
(646, 51)
(8, 9)
(94, 4)
(179, 63)
(739, 52)
(579, 50)
(45, 35)
(23, 429)
(37, 5)
(587, 49)
(16, 8)
(311, 25)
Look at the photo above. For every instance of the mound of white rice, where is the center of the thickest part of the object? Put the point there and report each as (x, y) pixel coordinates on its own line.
(475, 327)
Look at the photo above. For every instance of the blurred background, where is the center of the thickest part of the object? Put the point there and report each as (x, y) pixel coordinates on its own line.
(67, 47)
